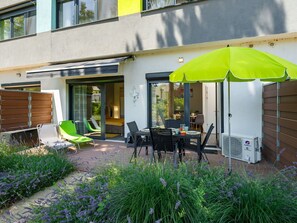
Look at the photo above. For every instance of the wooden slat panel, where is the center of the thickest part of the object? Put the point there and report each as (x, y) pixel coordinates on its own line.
(289, 100)
(41, 96)
(288, 107)
(39, 118)
(268, 154)
(269, 87)
(270, 132)
(9, 127)
(288, 123)
(270, 143)
(41, 104)
(269, 94)
(20, 119)
(269, 106)
(288, 88)
(13, 112)
(14, 94)
(289, 140)
(270, 100)
(288, 155)
(270, 119)
(10, 103)
(44, 111)
(270, 113)
(288, 115)
(269, 125)
(289, 132)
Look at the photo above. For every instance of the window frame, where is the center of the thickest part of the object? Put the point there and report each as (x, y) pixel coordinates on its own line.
(26, 12)
(76, 13)
(145, 4)
(163, 77)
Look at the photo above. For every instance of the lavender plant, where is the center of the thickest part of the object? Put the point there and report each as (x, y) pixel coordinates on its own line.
(21, 175)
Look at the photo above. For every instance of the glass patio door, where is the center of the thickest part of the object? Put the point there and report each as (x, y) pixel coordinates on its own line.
(88, 102)
(166, 102)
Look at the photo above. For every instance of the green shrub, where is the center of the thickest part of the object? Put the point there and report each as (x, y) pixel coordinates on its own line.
(191, 193)
(152, 193)
(85, 203)
(248, 198)
(21, 175)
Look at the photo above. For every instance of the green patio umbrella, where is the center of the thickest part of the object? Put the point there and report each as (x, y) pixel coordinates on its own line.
(235, 64)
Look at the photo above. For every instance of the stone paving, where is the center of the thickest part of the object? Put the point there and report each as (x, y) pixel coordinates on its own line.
(90, 159)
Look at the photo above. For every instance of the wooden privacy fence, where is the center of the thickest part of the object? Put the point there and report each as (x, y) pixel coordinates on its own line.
(23, 110)
(280, 123)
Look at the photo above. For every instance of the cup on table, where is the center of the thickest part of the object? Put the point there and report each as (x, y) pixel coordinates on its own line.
(181, 127)
(186, 128)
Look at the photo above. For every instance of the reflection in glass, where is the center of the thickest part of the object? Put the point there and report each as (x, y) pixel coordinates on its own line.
(87, 10)
(86, 104)
(107, 9)
(167, 102)
(155, 4)
(5, 29)
(66, 13)
(31, 23)
(18, 26)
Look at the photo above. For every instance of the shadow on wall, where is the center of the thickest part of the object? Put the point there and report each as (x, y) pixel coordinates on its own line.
(208, 21)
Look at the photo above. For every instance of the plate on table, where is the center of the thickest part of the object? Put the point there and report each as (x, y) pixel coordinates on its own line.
(193, 132)
(145, 130)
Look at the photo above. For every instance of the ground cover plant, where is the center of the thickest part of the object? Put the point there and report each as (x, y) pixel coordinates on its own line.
(159, 193)
(22, 173)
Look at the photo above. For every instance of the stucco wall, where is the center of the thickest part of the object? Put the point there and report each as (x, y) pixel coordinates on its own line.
(195, 24)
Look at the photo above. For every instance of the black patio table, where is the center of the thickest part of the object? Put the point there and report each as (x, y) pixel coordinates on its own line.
(180, 138)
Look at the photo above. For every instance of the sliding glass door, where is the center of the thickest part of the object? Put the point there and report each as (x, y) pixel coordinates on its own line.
(88, 109)
(97, 106)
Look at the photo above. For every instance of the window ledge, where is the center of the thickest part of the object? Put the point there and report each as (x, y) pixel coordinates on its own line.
(114, 19)
(17, 38)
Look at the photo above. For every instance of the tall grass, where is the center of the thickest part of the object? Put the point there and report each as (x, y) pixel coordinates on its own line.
(156, 193)
(192, 193)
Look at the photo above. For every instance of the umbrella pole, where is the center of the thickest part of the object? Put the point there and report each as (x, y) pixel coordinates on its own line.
(229, 129)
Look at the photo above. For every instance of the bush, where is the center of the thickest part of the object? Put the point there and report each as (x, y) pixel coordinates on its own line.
(156, 193)
(160, 193)
(21, 175)
(248, 198)
(86, 203)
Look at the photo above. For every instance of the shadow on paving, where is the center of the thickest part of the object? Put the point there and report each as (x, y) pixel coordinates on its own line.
(104, 153)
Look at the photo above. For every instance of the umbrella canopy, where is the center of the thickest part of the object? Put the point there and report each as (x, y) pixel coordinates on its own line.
(237, 64)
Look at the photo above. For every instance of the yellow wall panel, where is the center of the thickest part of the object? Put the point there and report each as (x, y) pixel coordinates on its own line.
(127, 7)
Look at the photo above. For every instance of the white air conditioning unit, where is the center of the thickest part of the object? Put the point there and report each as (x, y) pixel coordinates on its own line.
(245, 148)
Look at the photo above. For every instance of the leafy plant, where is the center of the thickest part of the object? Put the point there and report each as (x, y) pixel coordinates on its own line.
(21, 175)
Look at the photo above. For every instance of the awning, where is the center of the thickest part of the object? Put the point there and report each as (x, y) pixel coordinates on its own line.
(106, 66)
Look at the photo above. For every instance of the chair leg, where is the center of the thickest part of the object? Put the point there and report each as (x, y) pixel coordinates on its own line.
(205, 157)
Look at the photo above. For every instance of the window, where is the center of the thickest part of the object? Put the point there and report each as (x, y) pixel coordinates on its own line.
(72, 12)
(23, 86)
(155, 4)
(18, 23)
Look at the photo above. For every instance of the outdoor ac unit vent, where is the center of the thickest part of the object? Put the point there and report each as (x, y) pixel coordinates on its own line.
(243, 148)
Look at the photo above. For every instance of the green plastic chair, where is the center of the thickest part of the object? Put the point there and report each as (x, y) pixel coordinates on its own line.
(90, 128)
(68, 131)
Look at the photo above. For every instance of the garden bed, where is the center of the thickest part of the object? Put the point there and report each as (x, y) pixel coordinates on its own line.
(159, 193)
(25, 173)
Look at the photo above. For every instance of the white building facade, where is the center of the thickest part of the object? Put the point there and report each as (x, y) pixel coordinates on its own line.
(121, 53)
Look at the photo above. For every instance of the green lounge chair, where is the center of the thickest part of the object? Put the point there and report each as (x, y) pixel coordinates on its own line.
(68, 131)
(90, 128)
